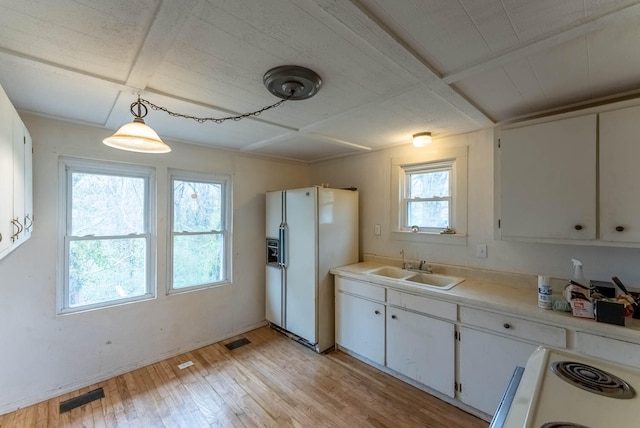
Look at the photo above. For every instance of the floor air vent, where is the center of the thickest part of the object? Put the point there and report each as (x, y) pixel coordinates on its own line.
(80, 400)
(237, 343)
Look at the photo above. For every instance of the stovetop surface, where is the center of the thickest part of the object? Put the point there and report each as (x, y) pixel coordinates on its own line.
(543, 397)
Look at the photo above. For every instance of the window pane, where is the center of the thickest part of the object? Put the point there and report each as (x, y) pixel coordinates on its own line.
(101, 270)
(428, 214)
(429, 184)
(106, 205)
(197, 260)
(197, 207)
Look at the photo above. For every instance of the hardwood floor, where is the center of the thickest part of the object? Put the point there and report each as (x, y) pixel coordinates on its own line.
(271, 382)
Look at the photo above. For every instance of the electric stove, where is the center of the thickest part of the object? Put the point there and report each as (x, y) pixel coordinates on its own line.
(561, 389)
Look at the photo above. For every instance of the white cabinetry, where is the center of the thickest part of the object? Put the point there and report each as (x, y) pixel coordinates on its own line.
(618, 351)
(6, 173)
(619, 175)
(548, 180)
(487, 358)
(486, 363)
(421, 348)
(360, 319)
(16, 183)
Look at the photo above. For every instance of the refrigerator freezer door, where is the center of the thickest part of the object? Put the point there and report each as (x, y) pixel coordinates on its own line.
(274, 280)
(273, 213)
(301, 262)
(274, 296)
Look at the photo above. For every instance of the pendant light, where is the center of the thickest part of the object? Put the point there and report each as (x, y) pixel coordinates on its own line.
(289, 82)
(137, 136)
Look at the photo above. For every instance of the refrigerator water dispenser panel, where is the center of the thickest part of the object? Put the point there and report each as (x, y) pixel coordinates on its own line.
(273, 251)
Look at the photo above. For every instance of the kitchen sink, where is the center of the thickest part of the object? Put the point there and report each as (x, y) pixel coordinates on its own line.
(439, 281)
(427, 280)
(391, 272)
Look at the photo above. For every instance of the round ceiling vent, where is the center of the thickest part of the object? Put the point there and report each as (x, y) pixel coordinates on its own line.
(292, 82)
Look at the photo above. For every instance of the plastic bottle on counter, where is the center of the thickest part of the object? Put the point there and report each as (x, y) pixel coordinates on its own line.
(578, 274)
(544, 292)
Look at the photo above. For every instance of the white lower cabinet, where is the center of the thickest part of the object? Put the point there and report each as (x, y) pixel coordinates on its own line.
(360, 326)
(421, 348)
(486, 363)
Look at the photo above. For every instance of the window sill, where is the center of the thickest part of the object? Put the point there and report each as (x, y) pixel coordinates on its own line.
(435, 238)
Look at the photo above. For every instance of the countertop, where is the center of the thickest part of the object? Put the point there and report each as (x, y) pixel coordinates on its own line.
(517, 299)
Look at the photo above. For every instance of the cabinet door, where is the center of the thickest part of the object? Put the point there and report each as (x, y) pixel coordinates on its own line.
(6, 173)
(360, 326)
(28, 184)
(421, 348)
(548, 180)
(620, 175)
(18, 177)
(486, 363)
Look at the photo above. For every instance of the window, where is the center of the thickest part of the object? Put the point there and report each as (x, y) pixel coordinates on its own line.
(200, 231)
(429, 196)
(108, 244)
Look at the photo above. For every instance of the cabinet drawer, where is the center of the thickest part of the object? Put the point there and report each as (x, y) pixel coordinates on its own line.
(359, 288)
(618, 351)
(517, 327)
(421, 304)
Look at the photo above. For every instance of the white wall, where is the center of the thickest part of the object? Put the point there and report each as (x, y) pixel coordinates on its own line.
(43, 355)
(370, 173)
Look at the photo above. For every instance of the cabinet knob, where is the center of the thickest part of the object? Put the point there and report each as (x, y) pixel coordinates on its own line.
(578, 227)
(619, 229)
(376, 312)
(393, 317)
(506, 325)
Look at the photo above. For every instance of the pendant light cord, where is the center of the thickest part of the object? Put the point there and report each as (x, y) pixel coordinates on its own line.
(215, 119)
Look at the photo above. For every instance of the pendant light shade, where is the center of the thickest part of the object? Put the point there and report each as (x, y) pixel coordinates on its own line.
(421, 139)
(137, 137)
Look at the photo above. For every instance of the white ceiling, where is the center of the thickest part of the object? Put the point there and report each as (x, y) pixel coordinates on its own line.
(390, 68)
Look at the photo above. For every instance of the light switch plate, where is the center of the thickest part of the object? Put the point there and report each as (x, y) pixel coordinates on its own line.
(377, 230)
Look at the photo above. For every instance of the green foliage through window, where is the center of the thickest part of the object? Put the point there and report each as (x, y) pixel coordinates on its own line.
(198, 232)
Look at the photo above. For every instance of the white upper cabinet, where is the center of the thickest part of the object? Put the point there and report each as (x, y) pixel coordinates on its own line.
(548, 180)
(620, 175)
(6, 173)
(16, 182)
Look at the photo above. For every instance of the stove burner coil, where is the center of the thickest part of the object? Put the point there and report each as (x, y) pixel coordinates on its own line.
(592, 379)
(562, 425)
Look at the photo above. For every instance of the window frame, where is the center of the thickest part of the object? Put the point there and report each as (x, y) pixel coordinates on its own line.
(226, 231)
(67, 167)
(423, 157)
(426, 168)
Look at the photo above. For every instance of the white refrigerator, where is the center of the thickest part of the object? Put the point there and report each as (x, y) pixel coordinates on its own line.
(309, 231)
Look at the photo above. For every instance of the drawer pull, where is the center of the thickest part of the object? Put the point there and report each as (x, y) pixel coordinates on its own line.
(376, 312)
(578, 227)
(393, 317)
(506, 325)
(620, 229)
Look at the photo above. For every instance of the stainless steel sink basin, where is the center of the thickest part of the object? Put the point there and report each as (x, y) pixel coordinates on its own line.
(428, 280)
(439, 281)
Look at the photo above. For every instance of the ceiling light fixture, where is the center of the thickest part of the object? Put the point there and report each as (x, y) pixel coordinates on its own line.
(289, 82)
(421, 139)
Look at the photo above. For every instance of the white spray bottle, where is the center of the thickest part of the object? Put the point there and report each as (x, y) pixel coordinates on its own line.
(578, 274)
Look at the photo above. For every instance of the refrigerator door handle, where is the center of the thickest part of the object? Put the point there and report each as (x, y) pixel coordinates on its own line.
(283, 246)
